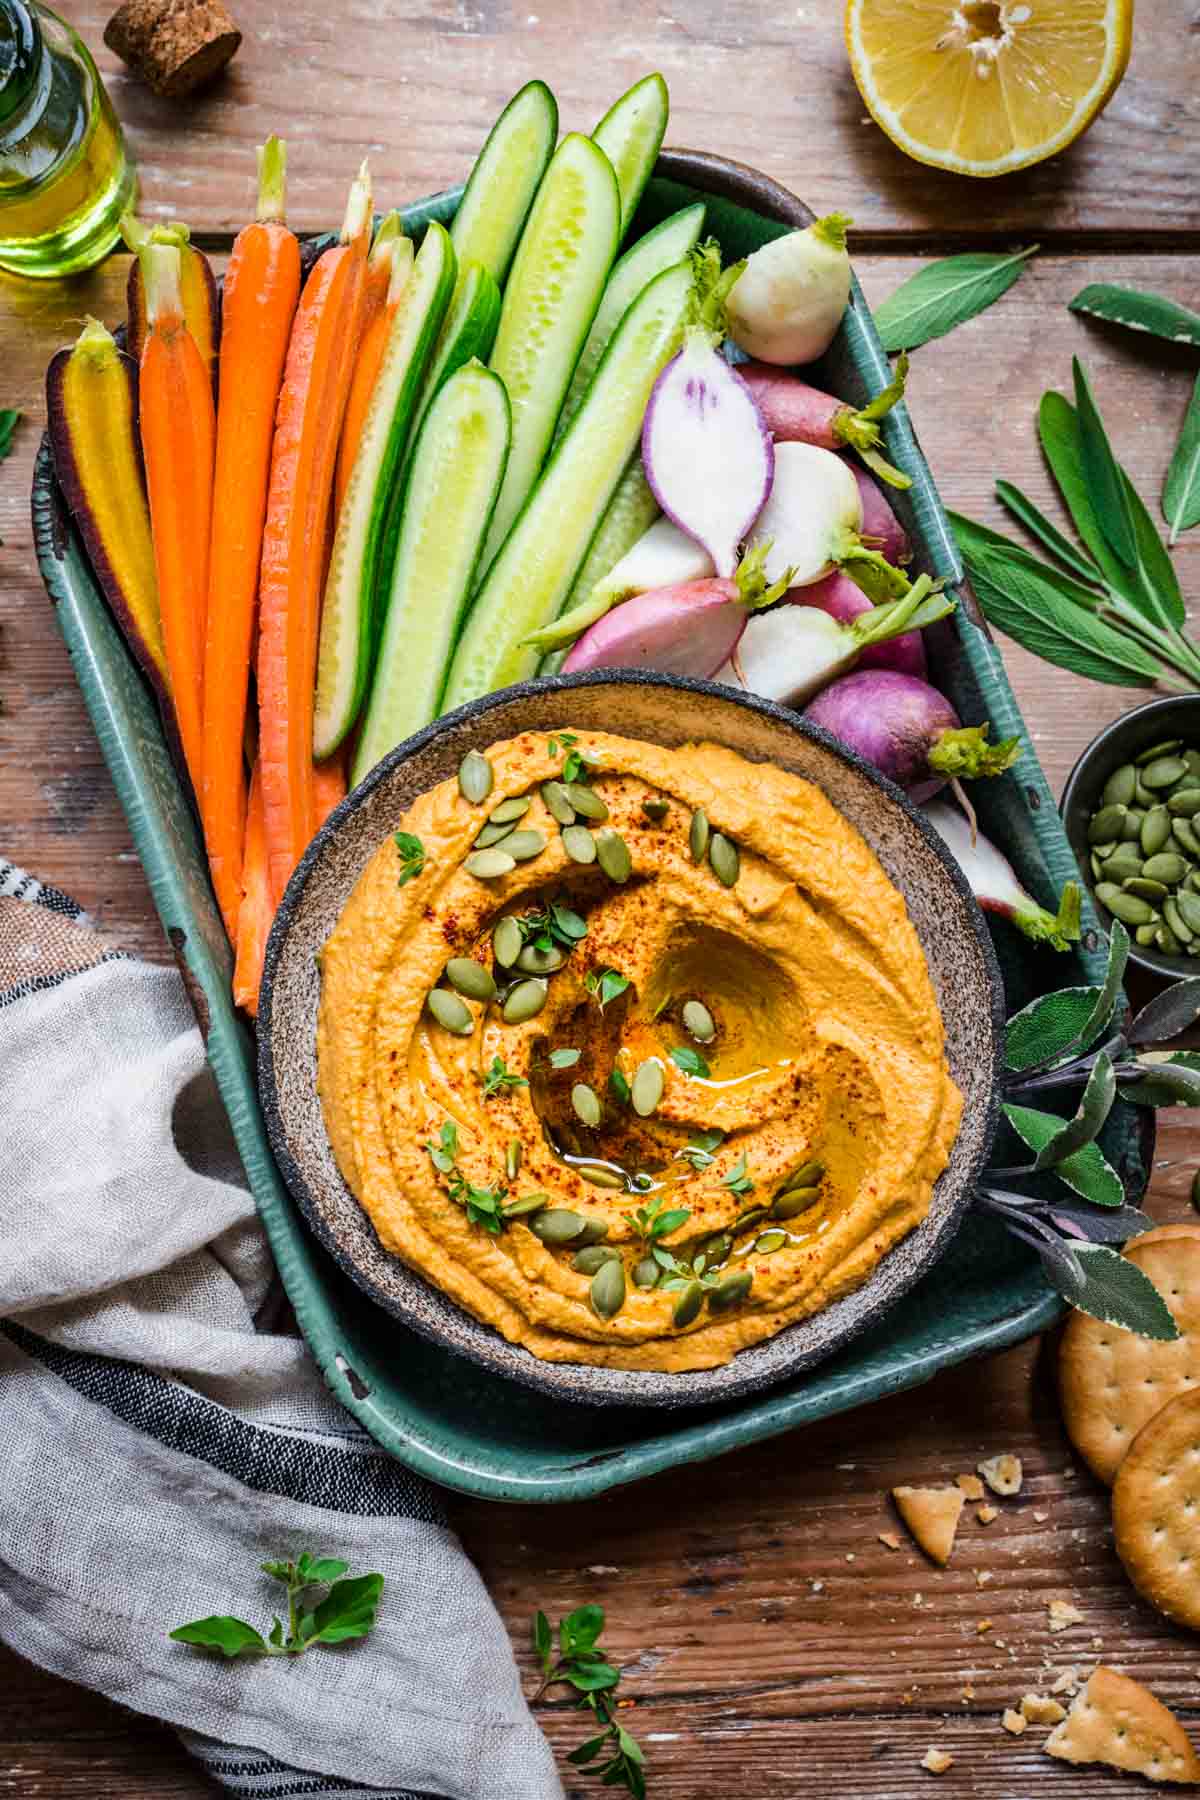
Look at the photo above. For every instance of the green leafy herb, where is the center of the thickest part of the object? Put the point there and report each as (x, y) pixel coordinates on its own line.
(484, 1206)
(577, 762)
(1050, 1026)
(699, 1150)
(1034, 520)
(685, 1057)
(1181, 492)
(564, 1059)
(605, 985)
(653, 1223)
(1102, 471)
(738, 1180)
(612, 1754)
(561, 742)
(619, 1085)
(346, 1611)
(412, 856)
(499, 1076)
(1088, 1171)
(9, 420)
(1139, 312)
(1110, 1287)
(945, 294)
(555, 926)
(444, 1154)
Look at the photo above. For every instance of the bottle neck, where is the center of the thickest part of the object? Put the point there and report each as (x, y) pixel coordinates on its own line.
(21, 54)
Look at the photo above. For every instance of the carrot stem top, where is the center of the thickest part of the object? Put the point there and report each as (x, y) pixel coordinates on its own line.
(358, 208)
(161, 274)
(272, 181)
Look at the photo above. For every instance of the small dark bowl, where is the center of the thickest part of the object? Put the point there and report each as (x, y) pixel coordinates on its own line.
(1178, 716)
(664, 710)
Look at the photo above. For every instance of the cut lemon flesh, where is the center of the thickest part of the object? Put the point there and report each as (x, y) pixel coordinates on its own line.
(986, 86)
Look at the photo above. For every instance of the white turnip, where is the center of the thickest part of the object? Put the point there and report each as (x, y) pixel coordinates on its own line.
(845, 601)
(814, 518)
(788, 301)
(994, 881)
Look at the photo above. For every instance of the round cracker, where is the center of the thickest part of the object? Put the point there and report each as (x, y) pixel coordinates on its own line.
(1156, 1510)
(1110, 1381)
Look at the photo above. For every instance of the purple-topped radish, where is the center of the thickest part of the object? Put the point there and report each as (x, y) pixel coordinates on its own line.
(994, 881)
(908, 731)
(689, 629)
(814, 519)
(788, 300)
(796, 413)
(845, 601)
(707, 454)
(881, 529)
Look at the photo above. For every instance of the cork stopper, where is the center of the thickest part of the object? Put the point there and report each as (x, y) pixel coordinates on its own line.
(174, 45)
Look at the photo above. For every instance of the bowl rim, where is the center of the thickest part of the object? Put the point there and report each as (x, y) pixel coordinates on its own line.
(523, 1367)
(1102, 748)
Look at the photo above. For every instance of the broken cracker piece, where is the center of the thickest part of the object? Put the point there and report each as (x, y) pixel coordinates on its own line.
(982, 1625)
(1003, 1474)
(1063, 1615)
(936, 1761)
(1118, 1721)
(971, 1486)
(985, 1514)
(1040, 1709)
(890, 1538)
(1066, 1683)
(1014, 1721)
(932, 1516)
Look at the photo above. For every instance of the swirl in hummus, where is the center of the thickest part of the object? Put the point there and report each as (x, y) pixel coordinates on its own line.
(733, 1086)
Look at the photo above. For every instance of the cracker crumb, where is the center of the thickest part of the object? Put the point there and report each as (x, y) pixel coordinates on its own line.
(936, 1761)
(1041, 1517)
(982, 1625)
(849, 1556)
(968, 1692)
(985, 1514)
(818, 1587)
(1040, 1709)
(971, 1486)
(982, 1577)
(932, 1516)
(1063, 1615)
(1003, 1474)
(1014, 1721)
(1066, 1683)
(890, 1538)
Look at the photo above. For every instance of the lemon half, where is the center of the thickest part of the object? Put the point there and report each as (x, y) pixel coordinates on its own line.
(987, 86)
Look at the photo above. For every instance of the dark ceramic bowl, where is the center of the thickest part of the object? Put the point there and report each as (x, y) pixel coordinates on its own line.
(671, 712)
(1178, 716)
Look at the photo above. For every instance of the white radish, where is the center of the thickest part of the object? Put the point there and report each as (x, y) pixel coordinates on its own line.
(664, 556)
(813, 519)
(788, 302)
(994, 883)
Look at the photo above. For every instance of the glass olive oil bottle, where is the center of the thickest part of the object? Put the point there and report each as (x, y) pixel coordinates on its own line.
(64, 176)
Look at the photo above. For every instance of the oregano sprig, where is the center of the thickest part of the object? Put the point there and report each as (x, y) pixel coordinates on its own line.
(574, 1657)
(347, 1610)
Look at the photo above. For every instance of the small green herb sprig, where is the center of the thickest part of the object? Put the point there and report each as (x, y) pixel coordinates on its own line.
(690, 1061)
(498, 1076)
(605, 985)
(613, 1754)
(653, 1223)
(484, 1206)
(576, 763)
(411, 852)
(347, 1610)
(554, 927)
(10, 418)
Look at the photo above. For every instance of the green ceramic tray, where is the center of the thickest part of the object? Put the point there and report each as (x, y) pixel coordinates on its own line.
(428, 1407)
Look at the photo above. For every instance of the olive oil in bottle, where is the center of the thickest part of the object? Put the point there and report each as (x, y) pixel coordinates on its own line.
(65, 179)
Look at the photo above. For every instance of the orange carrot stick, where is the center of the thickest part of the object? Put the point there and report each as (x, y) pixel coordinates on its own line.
(394, 258)
(178, 441)
(329, 785)
(262, 285)
(256, 911)
(312, 403)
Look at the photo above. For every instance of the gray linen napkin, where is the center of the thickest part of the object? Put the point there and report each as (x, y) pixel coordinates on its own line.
(160, 1439)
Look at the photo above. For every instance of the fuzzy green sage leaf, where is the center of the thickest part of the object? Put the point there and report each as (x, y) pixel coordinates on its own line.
(945, 294)
(1181, 491)
(1116, 1290)
(1088, 1171)
(1139, 311)
(1049, 1026)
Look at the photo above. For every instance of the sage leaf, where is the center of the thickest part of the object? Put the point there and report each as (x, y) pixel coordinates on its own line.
(586, 1752)
(232, 1637)
(1035, 521)
(1048, 1027)
(1063, 1268)
(690, 1061)
(1118, 1292)
(981, 543)
(1139, 312)
(945, 294)
(1103, 472)
(348, 1610)
(1169, 1083)
(1183, 1059)
(1159, 578)
(1088, 1171)
(10, 418)
(1107, 1225)
(1181, 491)
(1168, 1014)
(1058, 430)
(1114, 973)
(1094, 1108)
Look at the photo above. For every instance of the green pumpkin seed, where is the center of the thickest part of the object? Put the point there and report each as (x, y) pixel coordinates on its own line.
(698, 835)
(1167, 748)
(558, 802)
(1184, 832)
(1192, 759)
(492, 835)
(1106, 824)
(507, 941)
(450, 1012)
(1193, 881)
(1104, 851)
(579, 843)
(1174, 919)
(655, 809)
(805, 1174)
(607, 1292)
(749, 1220)
(771, 1240)
(523, 846)
(730, 1292)
(594, 1232)
(698, 1022)
(1128, 908)
(1121, 864)
(587, 1105)
(1154, 891)
(1142, 795)
(1166, 941)
(1131, 830)
(512, 1159)
(646, 1088)
(1167, 866)
(1163, 772)
(524, 1001)
(612, 853)
(724, 859)
(535, 961)
(717, 1249)
(596, 1175)
(509, 811)
(1156, 829)
(527, 1204)
(556, 1226)
(1144, 935)
(469, 977)
(593, 1257)
(1096, 865)
(1185, 802)
(646, 1273)
(1188, 904)
(585, 800)
(794, 1201)
(1106, 891)
(687, 1307)
(475, 777)
(487, 865)
(699, 1263)
(1119, 788)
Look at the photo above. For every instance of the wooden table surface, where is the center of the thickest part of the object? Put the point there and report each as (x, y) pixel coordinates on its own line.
(771, 1642)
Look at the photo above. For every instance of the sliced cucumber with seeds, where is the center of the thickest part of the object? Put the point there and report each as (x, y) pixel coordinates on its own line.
(558, 275)
(455, 476)
(492, 212)
(468, 330)
(532, 575)
(630, 135)
(358, 565)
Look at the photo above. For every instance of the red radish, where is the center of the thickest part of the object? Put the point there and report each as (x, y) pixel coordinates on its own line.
(994, 883)
(844, 601)
(707, 454)
(792, 652)
(798, 414)
(690, 629)
(908, 731)
(789, 299)
(814, 517)
(880, 527)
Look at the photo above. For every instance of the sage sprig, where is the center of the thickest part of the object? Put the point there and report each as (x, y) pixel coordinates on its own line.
(1181, 490)
(945, 294)
(1139, 311)
(1071, 1039)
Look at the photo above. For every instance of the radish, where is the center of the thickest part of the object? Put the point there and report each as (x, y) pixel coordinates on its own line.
(792, 652)
(814, 519)
(908, 731)
(994, 883)
(845, 601)
(881, 529)
(689, 629)
(707, 454)
(663, 557)
(798, 414)
(788, 301)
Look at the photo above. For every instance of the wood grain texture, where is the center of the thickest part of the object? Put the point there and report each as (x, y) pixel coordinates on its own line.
(772, 1644)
